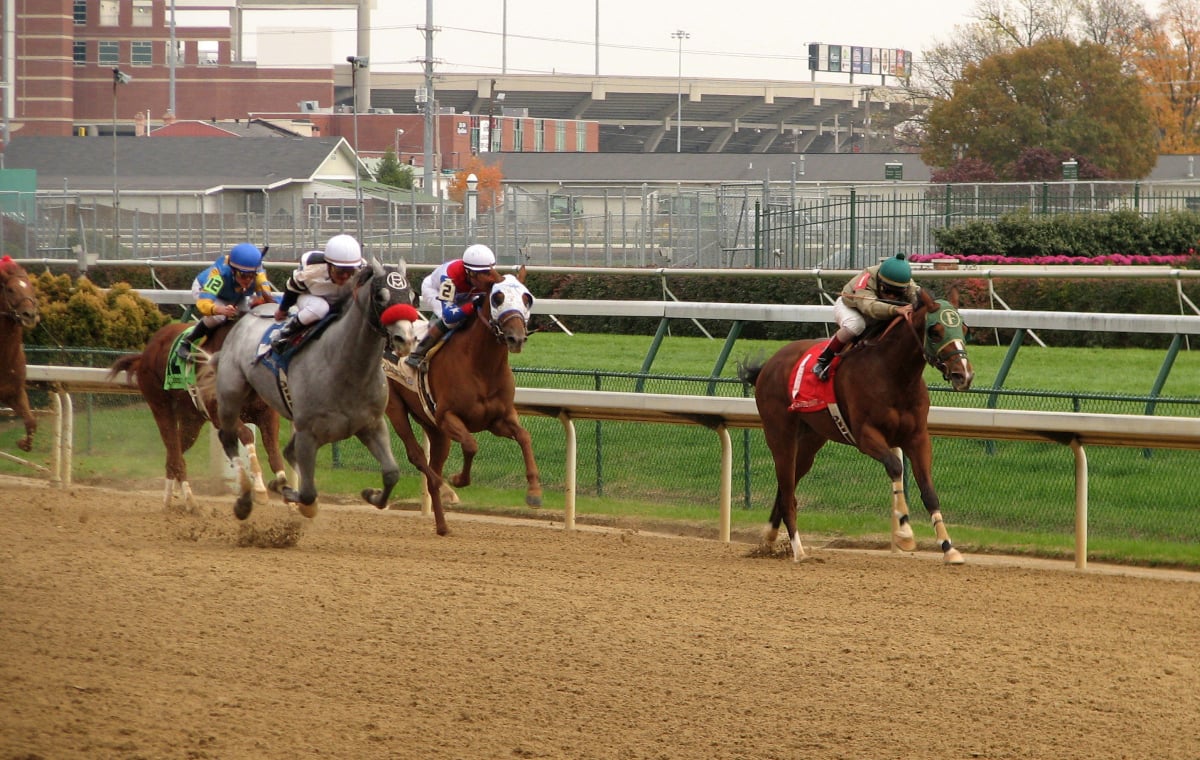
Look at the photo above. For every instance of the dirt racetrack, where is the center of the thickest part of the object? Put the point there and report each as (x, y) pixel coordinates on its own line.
(127, 631)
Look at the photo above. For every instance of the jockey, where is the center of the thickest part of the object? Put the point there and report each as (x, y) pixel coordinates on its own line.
(876, 294)
(219, 290)
(322, 281)
(450, 292)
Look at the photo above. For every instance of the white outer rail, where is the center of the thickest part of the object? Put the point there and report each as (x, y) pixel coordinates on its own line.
(720, 414)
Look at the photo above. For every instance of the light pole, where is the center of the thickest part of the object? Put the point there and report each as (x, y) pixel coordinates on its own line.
(119, 78)
(356, 62)
(472, 205)
(680, 35)
(398, 133)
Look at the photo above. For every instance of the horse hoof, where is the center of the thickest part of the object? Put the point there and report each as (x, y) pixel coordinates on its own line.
(374, 497)
(243, 506)
(904, 543)
(953, 557)
(25, 444)
(260, 497)
(308, 510)
(449, 495)
(533, 500)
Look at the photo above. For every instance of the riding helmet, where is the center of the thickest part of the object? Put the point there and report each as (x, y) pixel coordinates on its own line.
(479, 258)
(246, 257)
(343, 251)
(896, 271)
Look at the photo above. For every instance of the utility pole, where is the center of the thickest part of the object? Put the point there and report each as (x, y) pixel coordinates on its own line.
(430, 126)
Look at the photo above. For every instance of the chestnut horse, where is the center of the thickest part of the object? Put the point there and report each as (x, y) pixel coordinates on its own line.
(180, 420)
(18, 312)
(472, 389)
(883, 400)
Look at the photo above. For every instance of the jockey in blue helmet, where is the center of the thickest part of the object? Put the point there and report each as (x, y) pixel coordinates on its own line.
(878, 293)
(219, 289)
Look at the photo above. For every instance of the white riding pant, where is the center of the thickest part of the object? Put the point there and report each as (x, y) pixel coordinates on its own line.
(850, 320)
(311, 309)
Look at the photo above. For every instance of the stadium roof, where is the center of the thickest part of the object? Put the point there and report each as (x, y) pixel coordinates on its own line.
(638, 114)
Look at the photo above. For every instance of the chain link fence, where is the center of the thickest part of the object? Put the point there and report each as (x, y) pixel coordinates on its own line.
(774, 224)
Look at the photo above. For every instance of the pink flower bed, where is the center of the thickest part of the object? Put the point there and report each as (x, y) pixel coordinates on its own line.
(1115, 259)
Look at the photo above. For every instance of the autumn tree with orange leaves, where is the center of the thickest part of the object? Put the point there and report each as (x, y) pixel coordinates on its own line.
(1167, 59)
(489, 176)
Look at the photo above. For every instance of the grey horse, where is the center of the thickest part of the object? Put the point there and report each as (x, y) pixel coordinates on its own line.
(333, 388)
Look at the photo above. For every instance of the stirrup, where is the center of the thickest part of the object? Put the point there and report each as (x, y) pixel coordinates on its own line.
(415, 360)
(821, 370)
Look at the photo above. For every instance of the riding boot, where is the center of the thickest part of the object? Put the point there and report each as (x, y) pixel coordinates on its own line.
(191, 337)
(289, 330)
(821, 368)
(437, 329)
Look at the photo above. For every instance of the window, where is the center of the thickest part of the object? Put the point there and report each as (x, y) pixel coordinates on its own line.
(580, 136)
(348, 213)
(539, 135)
(110, 12)
(142, 53)
(80, 12)
(518, 135)
(209, 52)
(143, 13)
(110, 53)
(496, 134)
(80, 49)
(560, 136)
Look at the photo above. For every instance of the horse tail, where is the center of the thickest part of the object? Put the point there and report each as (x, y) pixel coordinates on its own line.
(129, 363)
(749, 368)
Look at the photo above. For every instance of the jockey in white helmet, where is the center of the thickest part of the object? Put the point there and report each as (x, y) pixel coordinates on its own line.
(450, 292)
(322, 280)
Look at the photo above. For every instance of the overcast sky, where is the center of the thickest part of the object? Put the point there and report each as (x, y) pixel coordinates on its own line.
(766, 39)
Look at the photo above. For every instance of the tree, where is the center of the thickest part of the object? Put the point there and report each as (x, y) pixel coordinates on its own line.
(1168, 59)
(965, 170)
(392, 172)
(1064, 97)
(489, 186)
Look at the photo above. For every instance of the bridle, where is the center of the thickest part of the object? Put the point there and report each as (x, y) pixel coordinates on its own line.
(394, 283)
(939, 357)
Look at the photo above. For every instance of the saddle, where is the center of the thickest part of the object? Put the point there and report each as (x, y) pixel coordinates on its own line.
(179, 374)
(809, 394)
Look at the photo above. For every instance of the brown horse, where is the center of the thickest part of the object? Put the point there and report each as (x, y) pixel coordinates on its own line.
(472, 389)
(884, 404)
(179, 419)
(18, 312)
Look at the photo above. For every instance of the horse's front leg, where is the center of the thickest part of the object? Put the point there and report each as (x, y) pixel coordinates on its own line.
(229, 444)
(401, 423)
(302, 453)
(510, 427)
(26, 443)
(375, 437)
(920, 455)
(250, 443)
(452, 425)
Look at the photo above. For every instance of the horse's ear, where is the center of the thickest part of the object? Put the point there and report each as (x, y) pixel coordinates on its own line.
(376, 267)
(521, 274)
(952, 296)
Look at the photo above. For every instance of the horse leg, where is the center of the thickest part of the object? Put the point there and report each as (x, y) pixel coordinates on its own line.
(22, 407)
(250, 442)
(268, 429)
(189, 425)
(873, 443)
(401, 423)
(920, 454)
(439, 451)
(510, 427)
(379, 442)
(453, 426)
(304, 459)
(229, 411)
(789, 457)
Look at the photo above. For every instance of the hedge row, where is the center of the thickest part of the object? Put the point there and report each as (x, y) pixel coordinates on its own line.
(1025, 235)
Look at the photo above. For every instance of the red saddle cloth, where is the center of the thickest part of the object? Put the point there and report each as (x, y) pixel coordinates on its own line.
(808, 393)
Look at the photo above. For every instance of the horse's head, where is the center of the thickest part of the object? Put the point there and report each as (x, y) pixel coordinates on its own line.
(508, 306)
(18, 300)
(390, 307)
(945, 347)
